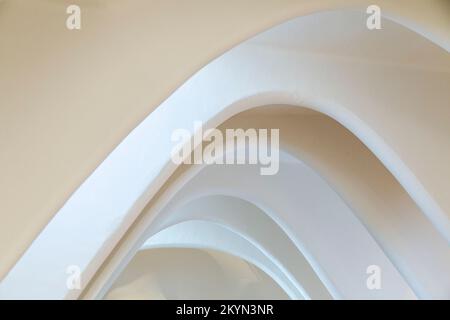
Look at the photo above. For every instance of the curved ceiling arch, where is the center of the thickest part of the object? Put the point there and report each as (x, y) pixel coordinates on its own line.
(178, 273)
(300, 213)
(119, 222)
(74, 155)
(203, 234)
(237, 215)
(400, 253)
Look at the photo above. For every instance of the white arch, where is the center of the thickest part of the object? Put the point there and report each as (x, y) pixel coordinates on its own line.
(210, 235)
(407, 245)
(142, 181)
(239, 216)
(193, 273)
(299, 208)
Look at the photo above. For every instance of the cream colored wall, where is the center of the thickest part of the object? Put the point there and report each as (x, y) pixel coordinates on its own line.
(67, 98)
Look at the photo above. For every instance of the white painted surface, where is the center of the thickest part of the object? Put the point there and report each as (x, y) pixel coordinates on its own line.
(89, 225)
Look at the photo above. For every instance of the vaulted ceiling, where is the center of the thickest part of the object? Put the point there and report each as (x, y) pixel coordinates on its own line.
(367, 110)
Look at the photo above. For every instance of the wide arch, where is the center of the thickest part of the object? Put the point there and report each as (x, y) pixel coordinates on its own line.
(132, 205)
(193, 273)
(237, 215)
(202, 234)
(318, 209)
